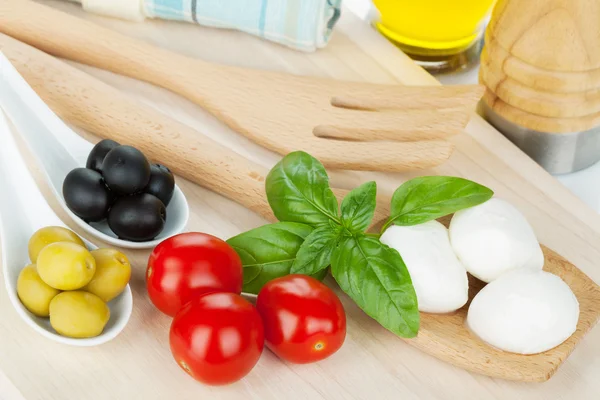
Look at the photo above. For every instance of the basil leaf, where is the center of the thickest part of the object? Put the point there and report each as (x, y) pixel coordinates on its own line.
(315, 253)
(430, 197)
(358, 207)
(375, 277)
(268, 252)
(298, 191)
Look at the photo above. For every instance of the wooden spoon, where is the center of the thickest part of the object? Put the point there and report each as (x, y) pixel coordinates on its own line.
(104, 111)
(278, 111)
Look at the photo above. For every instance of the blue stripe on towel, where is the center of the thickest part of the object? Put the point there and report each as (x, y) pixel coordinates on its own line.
(193, 6)
(300, 24)
(263, 16)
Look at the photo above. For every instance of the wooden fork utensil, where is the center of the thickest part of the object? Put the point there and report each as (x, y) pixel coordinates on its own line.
(346, 125)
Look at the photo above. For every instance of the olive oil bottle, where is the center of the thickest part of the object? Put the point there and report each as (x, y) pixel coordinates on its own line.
(440, 34)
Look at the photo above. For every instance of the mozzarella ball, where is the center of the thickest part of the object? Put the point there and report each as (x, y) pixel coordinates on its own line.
(493, 238)
(525, 312)
(439, 279)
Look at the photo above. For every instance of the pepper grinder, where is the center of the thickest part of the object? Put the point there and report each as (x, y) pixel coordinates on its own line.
(541, 69)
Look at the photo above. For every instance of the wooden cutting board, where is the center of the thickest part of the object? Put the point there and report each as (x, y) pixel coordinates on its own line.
(388, 367)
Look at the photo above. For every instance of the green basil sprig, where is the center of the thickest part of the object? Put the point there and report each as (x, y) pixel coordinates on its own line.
(315, 253)
(298, 191)
(315, 234)
(269, 251)
(358, 207)
(431, 197)
(375, 277)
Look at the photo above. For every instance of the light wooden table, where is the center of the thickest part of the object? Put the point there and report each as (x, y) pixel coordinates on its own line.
(373, 364)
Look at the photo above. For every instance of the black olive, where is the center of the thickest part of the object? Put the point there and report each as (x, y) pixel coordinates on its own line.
(98, 153)
(137, 218)
(126, 170)
(162, 183)
(86, 194)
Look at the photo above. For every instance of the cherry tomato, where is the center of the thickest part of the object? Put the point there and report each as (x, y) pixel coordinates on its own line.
(304, 319)
(188, 265)
(217, 338)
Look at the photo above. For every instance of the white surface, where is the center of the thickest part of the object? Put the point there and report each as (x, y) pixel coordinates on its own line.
(525, 312)
(59, 150)
(125, 9)
(131, 10)
(8, 390)
(439, 278)
(364, 9)
(493, 238)
(23, 210)
(584, 184)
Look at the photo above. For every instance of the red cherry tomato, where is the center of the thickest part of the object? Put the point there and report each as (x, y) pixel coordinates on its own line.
(188, 265)
(304, 320)
(217, 338)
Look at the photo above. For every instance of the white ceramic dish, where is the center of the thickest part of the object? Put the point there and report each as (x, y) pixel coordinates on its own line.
(23, 210)
(59, 150)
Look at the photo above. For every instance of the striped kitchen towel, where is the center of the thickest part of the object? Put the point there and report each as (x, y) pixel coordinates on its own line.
(300, 24)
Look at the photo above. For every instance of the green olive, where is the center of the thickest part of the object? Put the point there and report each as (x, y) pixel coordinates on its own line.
(50, 234)
(78, 314)
(66, 266)
(34, 293)
(112, 274)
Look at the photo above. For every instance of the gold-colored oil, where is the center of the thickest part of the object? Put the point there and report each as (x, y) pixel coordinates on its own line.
(433, 27)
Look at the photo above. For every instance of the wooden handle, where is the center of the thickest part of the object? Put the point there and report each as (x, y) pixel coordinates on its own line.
(62, 35)
(104, 111)
(65, 36)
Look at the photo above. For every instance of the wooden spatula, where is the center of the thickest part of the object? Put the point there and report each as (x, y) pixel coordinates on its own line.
(278, 111)
(104, 111)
